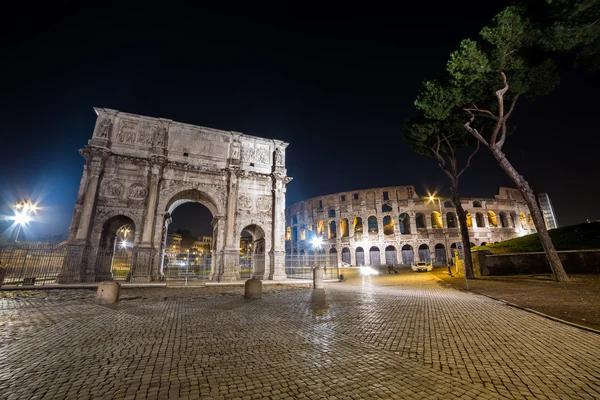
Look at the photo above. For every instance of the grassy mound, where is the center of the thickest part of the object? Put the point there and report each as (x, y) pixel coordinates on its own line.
(574, 237)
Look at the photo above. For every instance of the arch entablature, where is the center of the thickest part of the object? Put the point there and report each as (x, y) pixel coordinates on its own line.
(174, 193)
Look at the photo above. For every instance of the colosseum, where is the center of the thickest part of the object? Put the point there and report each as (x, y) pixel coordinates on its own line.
(394, 225)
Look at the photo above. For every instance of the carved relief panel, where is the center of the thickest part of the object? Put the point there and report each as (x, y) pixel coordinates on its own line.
(127, 131)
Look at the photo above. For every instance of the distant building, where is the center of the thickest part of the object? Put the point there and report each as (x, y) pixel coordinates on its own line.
(245, 245)
(203, 244)
(547, 211)
(394, 225)
(173, 243)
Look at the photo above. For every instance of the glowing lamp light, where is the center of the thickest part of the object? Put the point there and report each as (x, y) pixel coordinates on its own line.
(124, 244)
(317, 241)
(22, 218)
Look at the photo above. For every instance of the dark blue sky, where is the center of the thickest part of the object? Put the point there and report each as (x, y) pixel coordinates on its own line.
(336, 82)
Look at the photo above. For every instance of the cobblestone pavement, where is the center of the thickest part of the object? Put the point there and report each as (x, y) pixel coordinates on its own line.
(399, 336)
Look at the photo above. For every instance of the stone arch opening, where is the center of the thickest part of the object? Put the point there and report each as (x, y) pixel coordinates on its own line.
(320, 227)
(358, 228)
(513, 219)
(458, 247)
(492, 219)
(479, 220)
(294, 234)
(477, 203)
(448, 204)
(386, 208)
(333, 257)
(374, 256)
(331, 213)
(440, 254)
(523, 220)
(436, 220)
(424, 254)
(388, 225)
(372, 224)
(451, 220)
(469, 220)
(483, 244)
(115, 256)
(255, 264)
(344, 231)
(332, 230)
(346, 256)
(408, 256)
(360, 256)
(420, 221)
(190, 235)
(404, 224)
(504, 220)
(390, 255)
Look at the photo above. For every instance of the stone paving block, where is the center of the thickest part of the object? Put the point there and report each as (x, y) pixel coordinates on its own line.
(402, 336)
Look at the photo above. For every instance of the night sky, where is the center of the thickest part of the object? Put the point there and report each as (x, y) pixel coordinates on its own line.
(336, 82)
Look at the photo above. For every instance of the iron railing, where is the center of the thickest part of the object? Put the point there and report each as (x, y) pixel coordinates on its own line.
(301, 266)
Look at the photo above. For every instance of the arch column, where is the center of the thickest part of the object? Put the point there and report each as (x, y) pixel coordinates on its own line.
(76, 259)
(231, 254)
(145, 253)
(218, 224)
(277, 252)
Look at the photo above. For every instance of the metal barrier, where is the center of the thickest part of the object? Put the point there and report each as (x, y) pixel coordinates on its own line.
(301, 266)
(31, 264)
(193, 268)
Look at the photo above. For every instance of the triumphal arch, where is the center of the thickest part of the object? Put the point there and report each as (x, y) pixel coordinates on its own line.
(139, 169)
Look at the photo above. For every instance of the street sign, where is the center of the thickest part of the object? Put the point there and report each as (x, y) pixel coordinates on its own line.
(460, 247)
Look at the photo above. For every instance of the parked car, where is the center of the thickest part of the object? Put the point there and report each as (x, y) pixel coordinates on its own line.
(421, 266)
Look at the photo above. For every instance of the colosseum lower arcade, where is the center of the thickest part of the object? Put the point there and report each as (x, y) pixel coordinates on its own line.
(393, 225)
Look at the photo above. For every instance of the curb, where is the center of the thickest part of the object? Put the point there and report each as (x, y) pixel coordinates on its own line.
(541, 314)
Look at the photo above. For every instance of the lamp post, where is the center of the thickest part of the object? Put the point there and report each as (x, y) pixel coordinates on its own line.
(431, 198)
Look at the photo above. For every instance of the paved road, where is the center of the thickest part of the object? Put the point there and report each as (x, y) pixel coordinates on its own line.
(389, 336)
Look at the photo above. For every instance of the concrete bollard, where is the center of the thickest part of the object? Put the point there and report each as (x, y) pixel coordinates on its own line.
(318, 278)
(108, 292)
(253, 288)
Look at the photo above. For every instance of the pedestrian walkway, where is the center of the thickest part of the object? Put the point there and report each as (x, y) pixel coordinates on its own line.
(400, 336)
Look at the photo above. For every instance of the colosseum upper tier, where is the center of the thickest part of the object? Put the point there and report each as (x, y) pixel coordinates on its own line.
(394, 225)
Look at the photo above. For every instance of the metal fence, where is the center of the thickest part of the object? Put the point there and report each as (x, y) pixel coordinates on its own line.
(182, 269)
(301, 266)
(30, 264)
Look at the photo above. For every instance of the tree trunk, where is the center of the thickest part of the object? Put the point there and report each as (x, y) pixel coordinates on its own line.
(464, 231)
(538, 220)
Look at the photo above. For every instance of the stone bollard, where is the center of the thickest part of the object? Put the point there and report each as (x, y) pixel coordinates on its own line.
(318, 278)
(108, 292)
(253, 288)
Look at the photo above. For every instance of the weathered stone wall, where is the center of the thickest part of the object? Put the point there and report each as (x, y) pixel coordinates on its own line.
(574, 262)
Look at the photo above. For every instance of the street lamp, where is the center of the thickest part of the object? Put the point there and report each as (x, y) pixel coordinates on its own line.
(22, 215)
(432, 199)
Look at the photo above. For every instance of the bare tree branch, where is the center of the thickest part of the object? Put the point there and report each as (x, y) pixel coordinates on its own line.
(500, 97)
(474, 131)
(469, 160)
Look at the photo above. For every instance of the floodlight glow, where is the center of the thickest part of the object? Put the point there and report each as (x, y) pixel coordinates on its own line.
(124, 244)
(368, 271)
(317, 241)
(22, 218)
